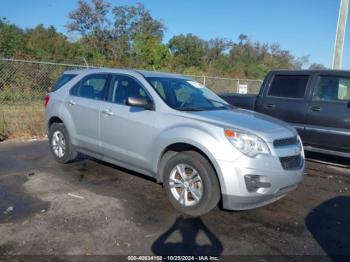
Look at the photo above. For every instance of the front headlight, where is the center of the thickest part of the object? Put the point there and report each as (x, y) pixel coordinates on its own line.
(246, 143)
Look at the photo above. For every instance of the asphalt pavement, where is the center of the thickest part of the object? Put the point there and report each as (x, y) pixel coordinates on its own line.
(91, 207)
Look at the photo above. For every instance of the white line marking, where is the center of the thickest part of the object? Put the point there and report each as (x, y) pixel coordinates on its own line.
(76, 196)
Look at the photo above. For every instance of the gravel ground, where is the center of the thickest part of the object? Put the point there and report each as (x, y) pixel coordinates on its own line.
(90, 207)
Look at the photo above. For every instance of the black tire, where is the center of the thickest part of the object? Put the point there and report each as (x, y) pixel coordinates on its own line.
(69, 153)
(211, 189)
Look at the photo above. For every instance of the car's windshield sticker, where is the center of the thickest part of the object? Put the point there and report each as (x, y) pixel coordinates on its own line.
(195, 84)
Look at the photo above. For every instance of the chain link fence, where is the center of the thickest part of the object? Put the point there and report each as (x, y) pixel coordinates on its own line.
(229, 85)
(25, 82)
(23, 85)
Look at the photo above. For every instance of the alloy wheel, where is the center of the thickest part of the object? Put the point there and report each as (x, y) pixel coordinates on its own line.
(58, 143)
(186, 185)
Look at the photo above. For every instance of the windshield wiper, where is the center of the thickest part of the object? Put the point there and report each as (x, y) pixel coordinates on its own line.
(197, 108)
(226, 105)
(190, 108)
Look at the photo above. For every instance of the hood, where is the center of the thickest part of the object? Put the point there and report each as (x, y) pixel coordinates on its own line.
(264, 126)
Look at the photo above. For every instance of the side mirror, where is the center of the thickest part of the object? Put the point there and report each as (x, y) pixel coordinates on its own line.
(140, 102)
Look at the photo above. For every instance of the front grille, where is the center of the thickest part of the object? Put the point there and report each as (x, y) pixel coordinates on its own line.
(291, 162)
(285, 141)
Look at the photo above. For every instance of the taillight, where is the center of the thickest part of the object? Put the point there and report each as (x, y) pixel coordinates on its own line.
(46, 100)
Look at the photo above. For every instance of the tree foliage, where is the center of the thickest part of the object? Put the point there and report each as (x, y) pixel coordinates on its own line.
(47, 44)
(316, 66)
(11, 40)
(129, 36)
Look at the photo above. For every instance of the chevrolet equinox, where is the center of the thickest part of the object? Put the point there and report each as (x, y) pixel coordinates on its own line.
(177, 131)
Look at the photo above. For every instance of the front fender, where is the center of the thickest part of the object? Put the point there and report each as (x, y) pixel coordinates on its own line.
(206, 142)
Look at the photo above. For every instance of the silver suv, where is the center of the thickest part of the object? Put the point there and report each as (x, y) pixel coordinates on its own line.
(177, 131)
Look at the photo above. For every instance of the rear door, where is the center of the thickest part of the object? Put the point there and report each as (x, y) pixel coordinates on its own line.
(285, 97)
(328, 118)
(83, 103)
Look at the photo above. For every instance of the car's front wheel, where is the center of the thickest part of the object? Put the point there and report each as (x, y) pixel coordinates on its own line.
(191, 183)
(60, 144)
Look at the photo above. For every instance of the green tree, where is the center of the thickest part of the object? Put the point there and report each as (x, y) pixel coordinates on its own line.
(216, 48)
(47, 44)
(254, 59)
(132, 20)
(137, 32)
(11, 39)
(109, 32)
(128, 36)
(91, 22)
(149, 52)
(316, 66)
(188, 51)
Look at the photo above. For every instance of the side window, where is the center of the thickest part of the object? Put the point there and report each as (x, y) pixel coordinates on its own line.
(289, 86)
(332, 88)
(92, 86)
(64, 79)
(123, 87)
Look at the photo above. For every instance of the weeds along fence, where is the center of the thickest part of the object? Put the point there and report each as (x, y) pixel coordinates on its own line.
(23, 85)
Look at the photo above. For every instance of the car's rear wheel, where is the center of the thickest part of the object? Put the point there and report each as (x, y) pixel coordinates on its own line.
(191, 183)
(60, 144)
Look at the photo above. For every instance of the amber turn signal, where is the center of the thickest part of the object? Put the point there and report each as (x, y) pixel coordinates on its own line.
(230, 133)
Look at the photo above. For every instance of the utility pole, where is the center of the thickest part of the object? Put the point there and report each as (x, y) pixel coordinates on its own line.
(340, 35)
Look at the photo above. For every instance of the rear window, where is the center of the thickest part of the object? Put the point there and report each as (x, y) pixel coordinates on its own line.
(289, 86)
(65, 78)
(92, 86)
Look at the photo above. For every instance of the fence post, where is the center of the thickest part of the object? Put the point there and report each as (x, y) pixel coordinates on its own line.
(204, 80)
(237, 91)
(86, 63)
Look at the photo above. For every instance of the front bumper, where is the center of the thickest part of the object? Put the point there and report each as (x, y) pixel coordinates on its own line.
(237, 196)
(233, 202)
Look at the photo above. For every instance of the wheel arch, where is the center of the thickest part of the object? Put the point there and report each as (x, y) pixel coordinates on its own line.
(61, 115)
(54, 119)
(177, 147)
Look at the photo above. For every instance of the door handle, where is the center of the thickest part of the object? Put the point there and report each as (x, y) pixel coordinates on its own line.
(71, 102)
(270, 105)
(315, 108)
(108, 112)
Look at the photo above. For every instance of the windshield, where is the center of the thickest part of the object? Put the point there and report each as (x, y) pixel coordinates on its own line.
(187, 94)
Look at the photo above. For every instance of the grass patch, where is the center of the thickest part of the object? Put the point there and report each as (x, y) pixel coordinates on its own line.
(21, 121)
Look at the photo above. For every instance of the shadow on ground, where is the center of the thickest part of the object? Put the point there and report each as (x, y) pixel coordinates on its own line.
(195, 239)
(329, 224)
